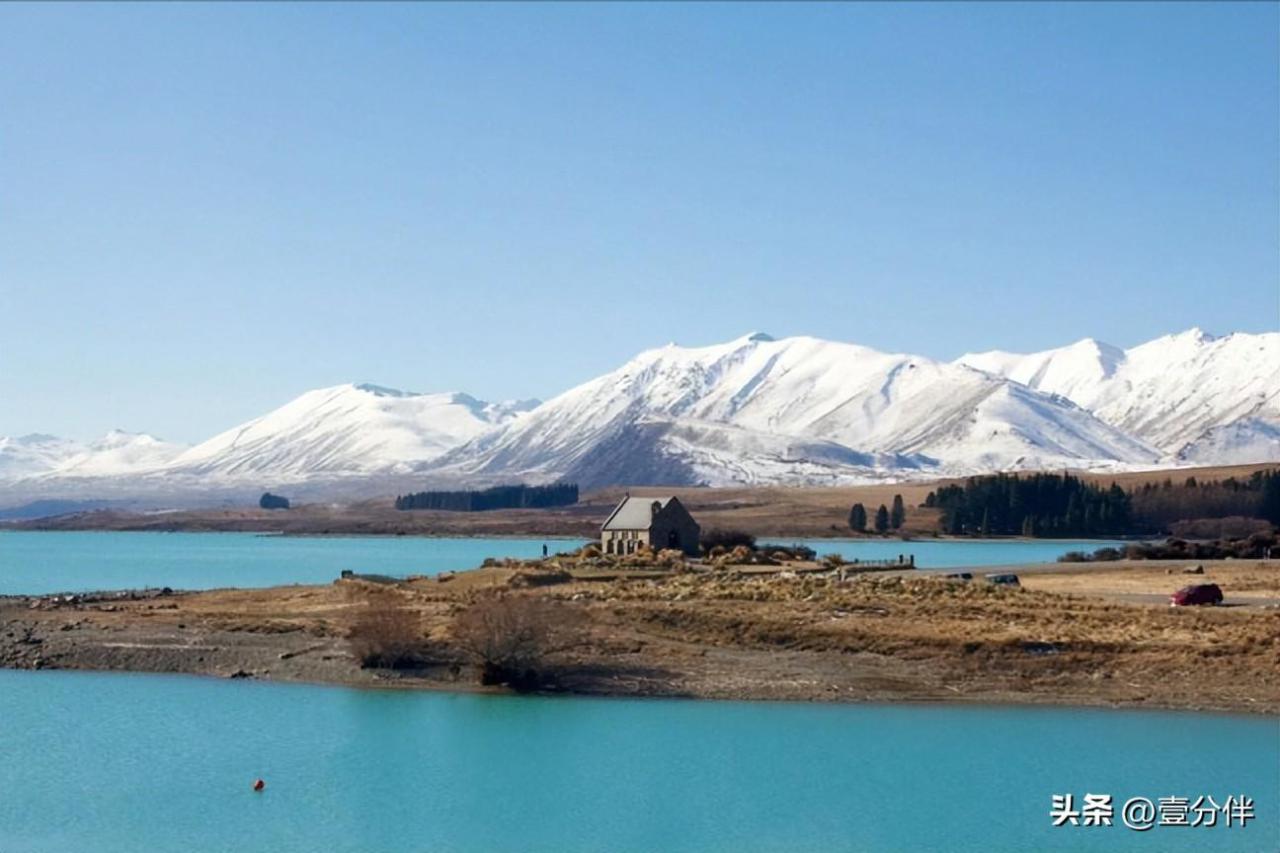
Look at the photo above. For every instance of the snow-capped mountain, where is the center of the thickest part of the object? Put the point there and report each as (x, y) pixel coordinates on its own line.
(119, 453)
(751, 411)
(1193, 396)
(344, 430)
(758, 409)
(34, 454)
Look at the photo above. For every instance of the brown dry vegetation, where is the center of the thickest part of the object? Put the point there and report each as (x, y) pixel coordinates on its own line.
(386, 629)
(1242, 579)
(725, 635)
(518, 640)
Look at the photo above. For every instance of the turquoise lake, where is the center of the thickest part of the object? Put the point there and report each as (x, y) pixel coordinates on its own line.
(115, 763)
(43, 562)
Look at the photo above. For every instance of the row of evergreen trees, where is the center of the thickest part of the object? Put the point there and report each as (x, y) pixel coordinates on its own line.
(1053, 505)
(1060, 505)
(499, 497)
(885, 519)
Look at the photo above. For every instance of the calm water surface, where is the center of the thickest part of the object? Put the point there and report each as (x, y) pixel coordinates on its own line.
(40, 562)
(112, 763)
(37, 562)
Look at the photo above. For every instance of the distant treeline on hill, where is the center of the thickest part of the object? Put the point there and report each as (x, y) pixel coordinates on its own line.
(498, 497)
(1059, 505)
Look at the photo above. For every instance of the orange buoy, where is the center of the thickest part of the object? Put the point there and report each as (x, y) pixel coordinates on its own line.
(259, 785)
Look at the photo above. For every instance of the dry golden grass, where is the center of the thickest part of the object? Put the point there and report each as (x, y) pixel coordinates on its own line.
(1256, 579)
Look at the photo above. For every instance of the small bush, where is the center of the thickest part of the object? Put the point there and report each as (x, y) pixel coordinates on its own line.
(727, 539)
(671, 558)
(270, 501)
(538, 577)
(1234, 527)
(387, 633)
(515, 639)
(789, 552)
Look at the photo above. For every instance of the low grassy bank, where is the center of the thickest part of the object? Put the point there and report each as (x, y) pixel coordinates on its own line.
(726, 634)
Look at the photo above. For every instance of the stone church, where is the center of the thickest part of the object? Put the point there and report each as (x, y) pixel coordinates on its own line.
(659, 523)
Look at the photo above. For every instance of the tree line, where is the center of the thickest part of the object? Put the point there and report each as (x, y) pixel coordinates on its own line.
(1060, 505)
(1054, 505)
(498, 497)
(1157, 506)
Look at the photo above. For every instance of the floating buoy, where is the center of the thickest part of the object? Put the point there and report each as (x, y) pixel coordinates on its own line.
(258, 785)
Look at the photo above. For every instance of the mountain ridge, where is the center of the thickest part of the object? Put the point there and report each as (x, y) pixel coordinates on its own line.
(753, 410)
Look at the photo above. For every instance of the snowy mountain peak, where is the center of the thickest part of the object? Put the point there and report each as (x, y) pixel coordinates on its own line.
(344, 430)
(1195, 335)
(382, 390)
(1170, 391)
(119, 452)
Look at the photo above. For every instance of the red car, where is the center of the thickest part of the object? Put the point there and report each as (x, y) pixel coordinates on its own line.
(1201, 593)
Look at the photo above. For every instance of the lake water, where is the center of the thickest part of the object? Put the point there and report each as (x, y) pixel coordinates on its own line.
(115, 763)
(36, 562)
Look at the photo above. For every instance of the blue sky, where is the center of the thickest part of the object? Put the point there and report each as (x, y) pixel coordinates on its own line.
(209, 209)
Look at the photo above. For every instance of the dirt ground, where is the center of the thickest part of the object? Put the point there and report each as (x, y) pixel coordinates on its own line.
(1067, 636)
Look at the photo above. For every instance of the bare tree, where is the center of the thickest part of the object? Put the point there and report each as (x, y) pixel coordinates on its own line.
(514, 638)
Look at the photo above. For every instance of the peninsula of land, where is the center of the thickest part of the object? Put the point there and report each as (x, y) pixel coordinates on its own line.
(1097, 634)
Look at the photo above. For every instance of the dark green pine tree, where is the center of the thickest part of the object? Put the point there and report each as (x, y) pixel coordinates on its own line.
(858, 518)
(898, 514)
(1269, 506)
(882, 519)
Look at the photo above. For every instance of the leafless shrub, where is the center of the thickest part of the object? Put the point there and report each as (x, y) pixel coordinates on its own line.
(515, 639)
(538, 577)
(387, 633)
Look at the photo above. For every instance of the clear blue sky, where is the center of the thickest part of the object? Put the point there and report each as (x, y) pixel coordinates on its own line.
(206, 210)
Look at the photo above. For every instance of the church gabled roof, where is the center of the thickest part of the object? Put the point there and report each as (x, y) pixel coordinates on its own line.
(634, 513)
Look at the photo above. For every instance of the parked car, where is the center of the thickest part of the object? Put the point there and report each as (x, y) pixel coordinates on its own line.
(959, 576)
(1200, 593)
(1005, 580)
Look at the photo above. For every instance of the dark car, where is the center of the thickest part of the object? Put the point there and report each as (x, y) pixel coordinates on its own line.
(959, 576)
(1004, 580)
(1200, 593)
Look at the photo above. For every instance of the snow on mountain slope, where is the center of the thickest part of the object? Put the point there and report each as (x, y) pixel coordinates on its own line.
(119, 453)
(1239, 442)
(344, 430)
(1175, 392)
(721, 410)
(751, 411)
(34, 454)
